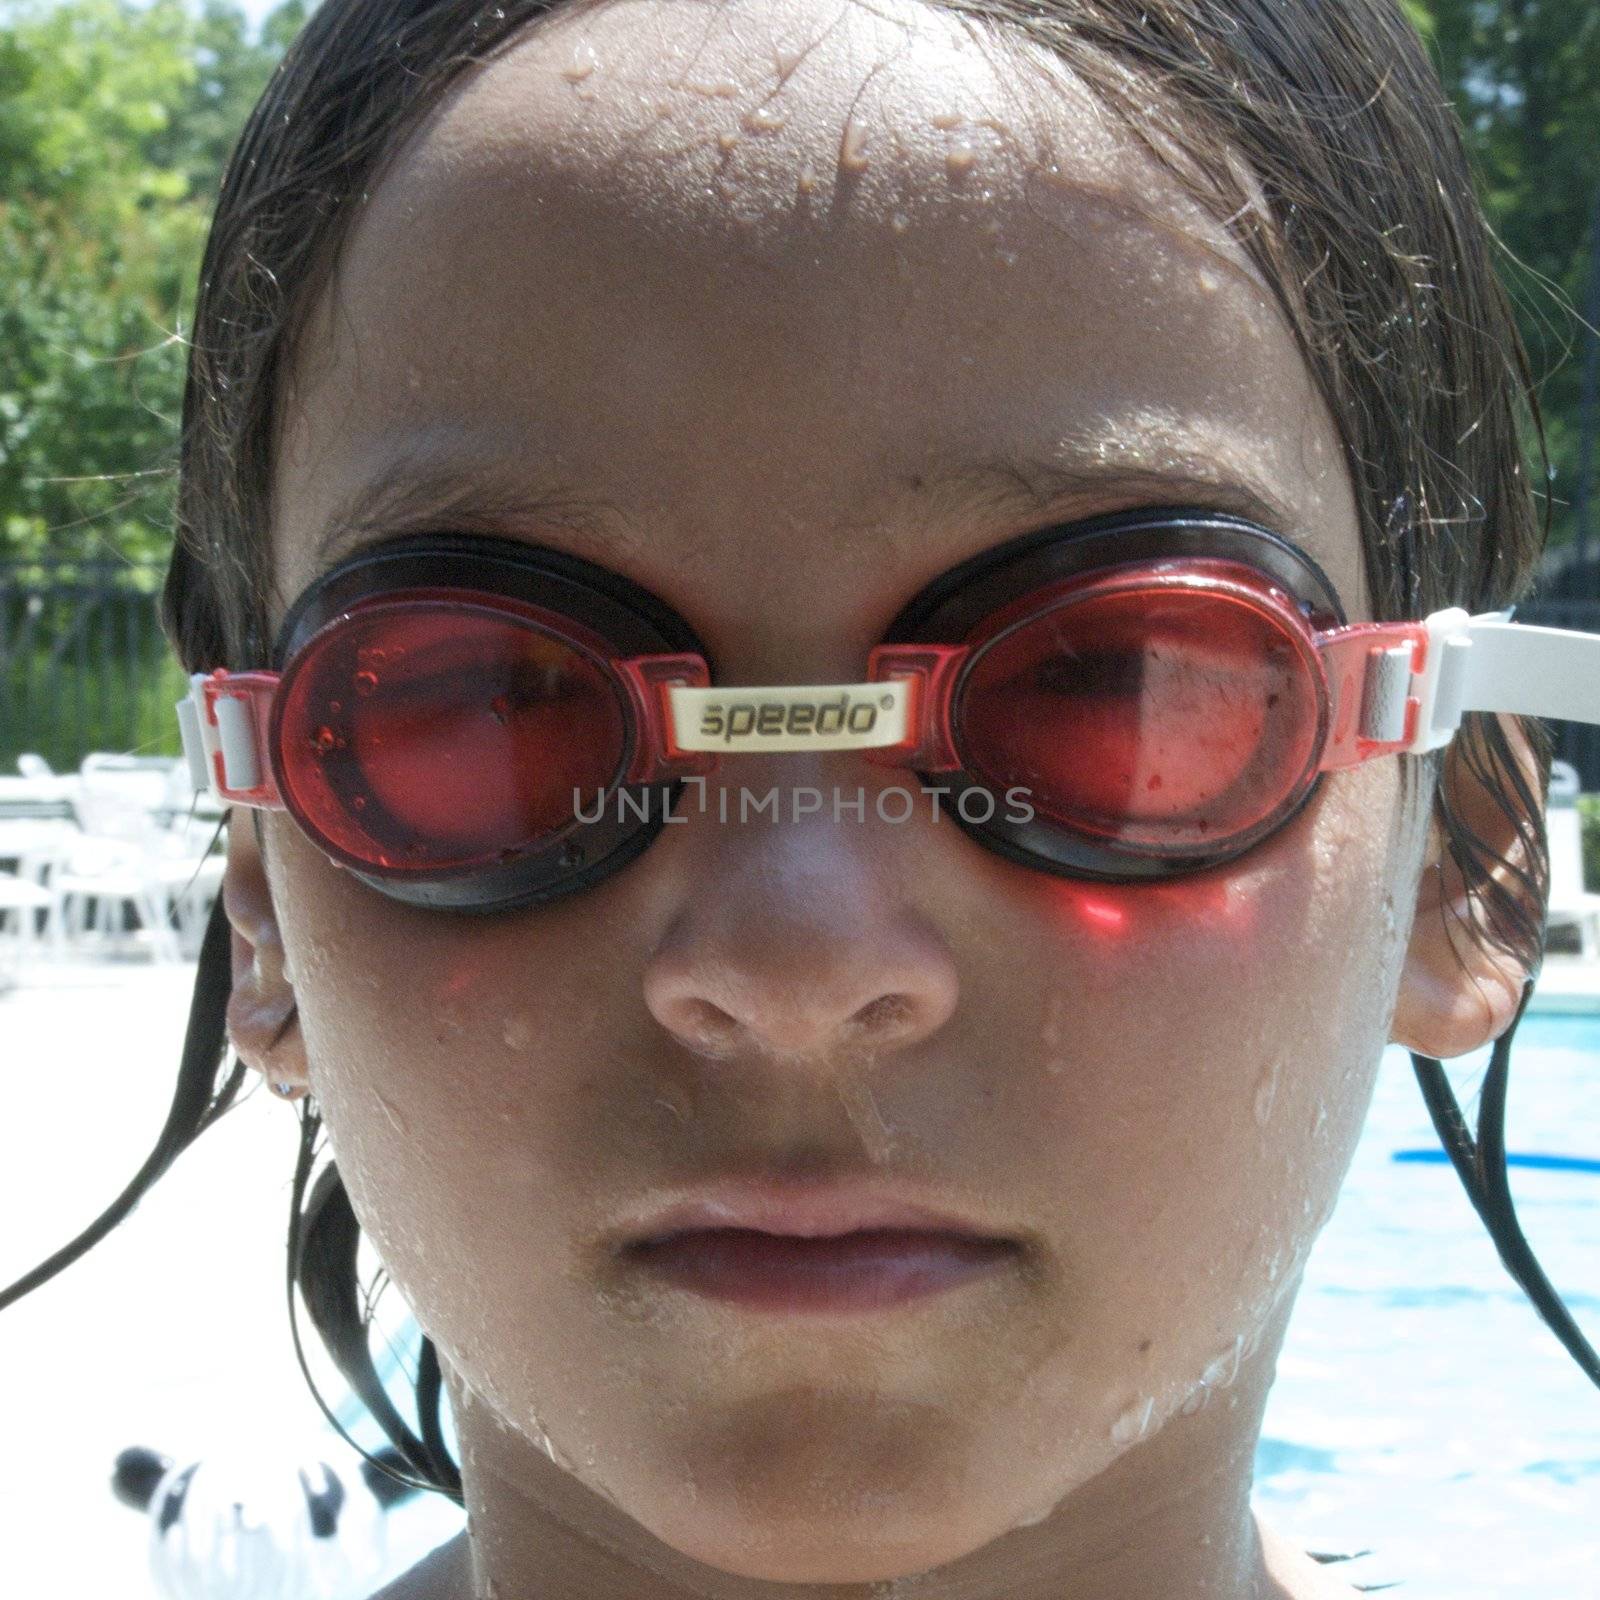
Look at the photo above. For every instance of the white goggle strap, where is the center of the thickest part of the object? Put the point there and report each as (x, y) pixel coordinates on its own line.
(222, 721)
(791, 716)
(1490, 663)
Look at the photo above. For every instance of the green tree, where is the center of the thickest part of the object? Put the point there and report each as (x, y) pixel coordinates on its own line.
(115, 121)
(1524, 76)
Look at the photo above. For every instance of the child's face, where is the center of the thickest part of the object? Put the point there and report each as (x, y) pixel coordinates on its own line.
(739, 291)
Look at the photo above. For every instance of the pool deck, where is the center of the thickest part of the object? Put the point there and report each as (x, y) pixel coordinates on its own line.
(1568, 986)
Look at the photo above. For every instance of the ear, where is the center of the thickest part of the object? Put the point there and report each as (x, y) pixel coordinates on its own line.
(1456, 995)
(262, 1021)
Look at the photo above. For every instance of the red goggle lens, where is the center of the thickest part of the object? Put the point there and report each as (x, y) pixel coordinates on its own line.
(441, 735)
(1161, 718)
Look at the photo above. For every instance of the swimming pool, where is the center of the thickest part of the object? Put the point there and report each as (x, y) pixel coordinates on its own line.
(1422, 1410)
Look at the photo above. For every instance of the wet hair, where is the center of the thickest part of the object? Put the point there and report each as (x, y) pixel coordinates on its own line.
(1317, 129)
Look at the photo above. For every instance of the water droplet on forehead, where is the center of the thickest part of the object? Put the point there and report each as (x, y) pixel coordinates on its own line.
(960, 157)
(365, 682)
(853, 149)
(582, 64)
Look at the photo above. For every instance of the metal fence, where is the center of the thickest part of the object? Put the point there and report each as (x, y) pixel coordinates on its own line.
(83, 663)
(84, 666)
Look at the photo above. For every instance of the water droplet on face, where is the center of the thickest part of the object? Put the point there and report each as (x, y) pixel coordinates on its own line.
(517, 1032)
(1133, 1423)
(946, 119)
(960, 157)
(396, 1121)
(582, 64)
(359, 802)
(1266, 1093)
(853, 148)
(323, 740)
(763, 121)
(1008, 258)
(807, 181)
(727, 140)
(899, 222)
(366, 682)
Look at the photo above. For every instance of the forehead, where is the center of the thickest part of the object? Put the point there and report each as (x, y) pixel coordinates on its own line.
(743, 282)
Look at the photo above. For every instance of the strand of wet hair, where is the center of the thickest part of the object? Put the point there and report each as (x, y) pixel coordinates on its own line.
(1481, 1166)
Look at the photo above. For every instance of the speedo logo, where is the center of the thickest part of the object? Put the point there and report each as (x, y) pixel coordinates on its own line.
(738, 719)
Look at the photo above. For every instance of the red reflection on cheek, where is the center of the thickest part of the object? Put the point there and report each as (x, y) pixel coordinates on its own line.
(1214, 902)
(457, 979)
(1097, 912)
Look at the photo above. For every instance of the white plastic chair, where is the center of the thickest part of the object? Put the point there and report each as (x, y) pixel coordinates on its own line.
(1571, 903)
(21, 901)
(98, 877)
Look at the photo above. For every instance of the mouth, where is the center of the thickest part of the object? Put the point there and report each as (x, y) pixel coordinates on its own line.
(864, 1270)
(812, 1248)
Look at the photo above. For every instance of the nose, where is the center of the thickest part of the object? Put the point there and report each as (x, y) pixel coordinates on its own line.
(793, 941)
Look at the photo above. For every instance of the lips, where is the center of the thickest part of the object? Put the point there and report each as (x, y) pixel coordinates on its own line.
(803, 1210)
(842, 1246)
(867, 1270)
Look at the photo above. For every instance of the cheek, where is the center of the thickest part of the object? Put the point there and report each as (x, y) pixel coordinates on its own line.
(1206, 1053)
(447, 1079)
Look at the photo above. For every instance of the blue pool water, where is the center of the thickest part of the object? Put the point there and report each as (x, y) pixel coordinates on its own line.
(1422, 1411)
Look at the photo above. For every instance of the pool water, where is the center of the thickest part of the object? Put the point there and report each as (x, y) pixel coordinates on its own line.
(1422, 1410)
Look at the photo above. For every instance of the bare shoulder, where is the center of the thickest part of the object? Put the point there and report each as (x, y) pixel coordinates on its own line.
(440, 1575)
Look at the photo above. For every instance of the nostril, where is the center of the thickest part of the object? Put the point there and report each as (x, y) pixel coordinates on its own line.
(888, 1014)
(705, 1026)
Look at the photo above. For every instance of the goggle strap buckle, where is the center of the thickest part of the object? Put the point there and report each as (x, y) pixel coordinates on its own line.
(932, 670)
(223, 723)
(1372, 671)
(657, 756)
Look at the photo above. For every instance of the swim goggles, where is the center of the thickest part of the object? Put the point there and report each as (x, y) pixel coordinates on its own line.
(479, 724)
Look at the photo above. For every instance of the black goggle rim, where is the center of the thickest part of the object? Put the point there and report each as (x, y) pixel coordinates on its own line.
(944, 611)
(629, 617)
(952, 605)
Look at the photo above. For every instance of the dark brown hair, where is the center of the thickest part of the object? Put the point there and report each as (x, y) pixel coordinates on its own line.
(1317, 128)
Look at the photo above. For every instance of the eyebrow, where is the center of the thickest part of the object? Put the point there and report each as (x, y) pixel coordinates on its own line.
(414, 498)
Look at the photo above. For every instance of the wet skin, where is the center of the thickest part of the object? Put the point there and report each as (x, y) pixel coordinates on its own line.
(725, 298)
